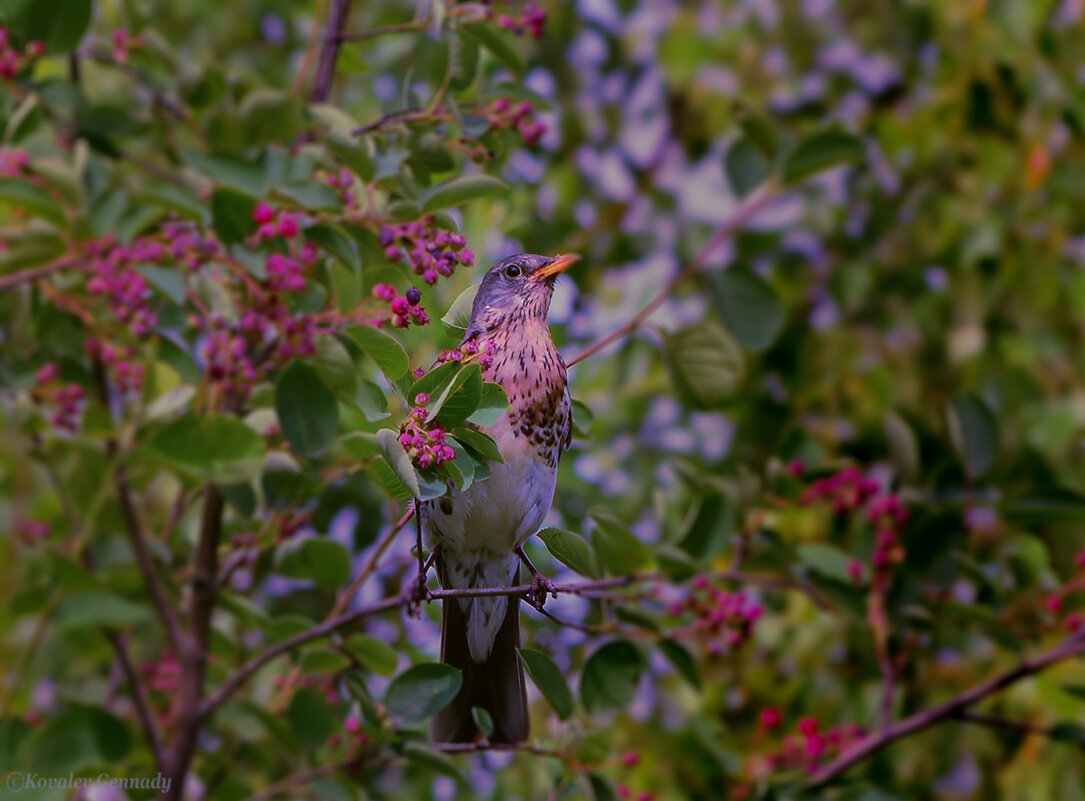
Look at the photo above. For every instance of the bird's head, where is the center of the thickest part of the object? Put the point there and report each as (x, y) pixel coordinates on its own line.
(516, 290)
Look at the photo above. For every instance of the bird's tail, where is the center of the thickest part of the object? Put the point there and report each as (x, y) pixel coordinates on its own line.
(495, 684)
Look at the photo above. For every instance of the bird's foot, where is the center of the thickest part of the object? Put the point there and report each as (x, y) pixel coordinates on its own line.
(541, 587)
(417, 594)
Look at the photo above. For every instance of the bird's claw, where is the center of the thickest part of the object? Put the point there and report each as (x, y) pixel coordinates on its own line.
(417, 594)
(541, 587)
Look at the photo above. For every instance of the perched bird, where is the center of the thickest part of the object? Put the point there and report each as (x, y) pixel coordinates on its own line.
(479, 533)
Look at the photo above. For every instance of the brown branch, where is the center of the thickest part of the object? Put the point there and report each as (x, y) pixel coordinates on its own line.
(402, 116)
(304, 777)
(139, 695)
(324, 629)
(864, 748)
(746, 210)
(474, 748)
(159, 598)
(995, 722)
(12, 280)
(329, 51)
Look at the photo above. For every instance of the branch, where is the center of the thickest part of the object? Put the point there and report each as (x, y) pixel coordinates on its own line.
(473, 748)
(384, 30)
(995, 722)
(746, 210)
(139, 695)
(863, 748)
(159, 599)
(329, 51)
(328, 627)
(304, 777)
(12, 280)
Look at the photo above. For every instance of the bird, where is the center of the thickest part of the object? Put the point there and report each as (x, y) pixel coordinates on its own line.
(478, 534)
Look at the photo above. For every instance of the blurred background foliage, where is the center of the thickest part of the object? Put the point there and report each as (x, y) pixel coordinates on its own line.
(917, 313)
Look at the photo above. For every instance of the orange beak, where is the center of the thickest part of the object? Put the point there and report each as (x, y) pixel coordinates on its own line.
(556, 265)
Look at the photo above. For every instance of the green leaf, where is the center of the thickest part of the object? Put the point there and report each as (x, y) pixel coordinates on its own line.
(501, 45)
(746, 166)
(310, 718)
(903, 446)
(705, 362)
(582, 419)
(480, 443)
(217, 448)
(683, 661)
(974, 432)
(170, 282)
(463, 64)
(458, 315)
(98, 608)
(59, 23)
(827, 560)
(1067, 731)
(422, 690)
(420, 755)
(491, 405)
(749, 307)
(483, 720)
(611, 675)
(435, 382)
(308, 412)
(323, 660)
(34, 199)
(322, 560)
(461, 189)
(463, 397)
(231, 215)
(710, 529)
(373, 653)
(270, 115)
(398, 461)
(821, 151)
(335, 241)
(385, 351)
(571, 550)
(1052, 504)
(354, 154)
(549, 679)
(618, 550)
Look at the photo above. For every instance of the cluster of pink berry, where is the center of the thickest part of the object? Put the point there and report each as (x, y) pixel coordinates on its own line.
(13, 163)
(353, 736)
(1055, 602)
(290, 523)
(432, 253)
(847, 490)
(343, 183)
(122, 43)
(531, 20)
(67, 399)
(471, 351)
(12, 61)
(723, 618)
(30, 531)
(519, 117)
(809, 745)
(126, 373)
(426, 445)
(115, 277)
(161, 676)
(402, 309)
(185, 245)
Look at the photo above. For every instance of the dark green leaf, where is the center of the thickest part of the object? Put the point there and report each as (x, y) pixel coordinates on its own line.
(398, 461)
(827, 560)
(459, 313)
(746, 166)
(617, 549)
(491, 405)
(683, 661)
(480, 443)
(749, 307)
(373, 653)
(33, 198)
(462, 189)
(549, 679)
(322, 560)
(231, 215)
(218, 448)
(335, 241)
(421, 690)
(705, 362)
(308, 412)
(611, 675)
(354, 154)
(571, 550)
(821, 151)
(420, 755)
(310, 718)
(501, 45)
(98, 608)
(483, 720)
(386, 352)
(974, 432)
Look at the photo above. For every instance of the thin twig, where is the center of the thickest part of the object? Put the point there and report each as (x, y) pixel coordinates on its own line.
(304, 777)
(748, 209)
(329, 51)
(139, 695)
(384, 30)
(868, 745)
(474, 748)
(12, 280)
(995, 722)
(402, 116)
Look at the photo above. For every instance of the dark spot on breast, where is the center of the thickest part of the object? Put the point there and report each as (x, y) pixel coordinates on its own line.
(446, 506)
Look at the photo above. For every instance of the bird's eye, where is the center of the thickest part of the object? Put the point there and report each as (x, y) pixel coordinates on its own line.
(512, 271)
